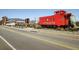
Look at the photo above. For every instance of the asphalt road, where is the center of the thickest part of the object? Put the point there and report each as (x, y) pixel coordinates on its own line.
(41, 40)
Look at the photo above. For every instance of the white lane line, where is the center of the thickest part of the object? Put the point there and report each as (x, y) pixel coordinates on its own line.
(7, 43)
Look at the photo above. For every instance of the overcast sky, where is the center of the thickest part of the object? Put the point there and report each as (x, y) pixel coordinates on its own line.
(32, 13)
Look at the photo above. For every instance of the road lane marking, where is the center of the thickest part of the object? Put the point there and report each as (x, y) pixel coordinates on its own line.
(59, 43)
(55, 42)
(7, 43)
(72, 36)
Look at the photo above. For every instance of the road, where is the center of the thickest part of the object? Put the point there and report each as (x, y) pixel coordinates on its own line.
(13, 39)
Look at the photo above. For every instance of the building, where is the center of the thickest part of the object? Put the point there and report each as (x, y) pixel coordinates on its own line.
(15, 22)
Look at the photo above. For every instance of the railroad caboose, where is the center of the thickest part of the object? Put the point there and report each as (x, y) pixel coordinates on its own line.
(60, 19)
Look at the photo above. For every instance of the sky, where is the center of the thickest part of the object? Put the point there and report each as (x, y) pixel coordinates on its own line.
(33, 13)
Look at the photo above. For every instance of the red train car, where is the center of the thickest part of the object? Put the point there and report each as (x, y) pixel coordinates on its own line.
(46, 20)
(59, 19)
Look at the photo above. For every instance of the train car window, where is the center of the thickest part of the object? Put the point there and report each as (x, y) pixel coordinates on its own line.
(47, 20)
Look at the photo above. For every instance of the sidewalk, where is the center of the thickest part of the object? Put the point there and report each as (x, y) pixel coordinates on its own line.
(23, 29)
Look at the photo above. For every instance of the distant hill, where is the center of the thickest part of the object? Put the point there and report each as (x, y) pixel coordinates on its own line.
(18, 19)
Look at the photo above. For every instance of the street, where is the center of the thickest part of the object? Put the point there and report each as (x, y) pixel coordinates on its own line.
(14, 39)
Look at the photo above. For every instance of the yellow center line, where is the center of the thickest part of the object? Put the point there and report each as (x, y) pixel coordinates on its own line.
(63, 34)
(59, 43)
